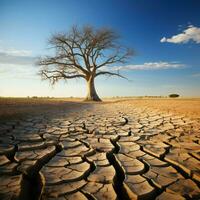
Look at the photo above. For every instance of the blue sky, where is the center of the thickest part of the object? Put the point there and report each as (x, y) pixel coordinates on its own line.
(164, 33)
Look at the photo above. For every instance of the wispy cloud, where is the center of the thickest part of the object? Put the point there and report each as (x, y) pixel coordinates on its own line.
(15, 63)
(14, 56)
(151, 66)
(191, 33)
(3, 70)
(15, 52)
(196, 75)
(18, 71)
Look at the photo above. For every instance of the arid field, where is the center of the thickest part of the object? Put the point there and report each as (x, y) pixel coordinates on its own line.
(140, 148)
(12, 107)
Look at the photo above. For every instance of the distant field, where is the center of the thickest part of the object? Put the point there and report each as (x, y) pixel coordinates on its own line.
(12, 107)
(188, 107)
(15, 107)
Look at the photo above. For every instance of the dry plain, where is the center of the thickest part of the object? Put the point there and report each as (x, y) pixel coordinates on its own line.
(118, 149)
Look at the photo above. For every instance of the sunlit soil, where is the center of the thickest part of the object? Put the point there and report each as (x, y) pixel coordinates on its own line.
(118, 149)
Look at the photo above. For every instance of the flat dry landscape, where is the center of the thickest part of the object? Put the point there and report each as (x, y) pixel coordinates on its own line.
(187, 107)
(10, 107)
(17, 107)
(118, 149)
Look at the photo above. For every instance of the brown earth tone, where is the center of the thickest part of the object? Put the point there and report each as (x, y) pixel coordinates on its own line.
(133, 149)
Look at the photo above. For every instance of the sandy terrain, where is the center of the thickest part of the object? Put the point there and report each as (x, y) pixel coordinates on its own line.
(10, 107)
(17, 107)
(132, 149)
(188, 107)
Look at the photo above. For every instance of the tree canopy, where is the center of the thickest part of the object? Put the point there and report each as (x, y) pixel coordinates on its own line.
(84, 53)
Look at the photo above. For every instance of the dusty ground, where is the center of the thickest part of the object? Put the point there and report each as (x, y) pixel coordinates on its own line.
(187, 107)
(133, 149)
(17, 107)
(11, 107)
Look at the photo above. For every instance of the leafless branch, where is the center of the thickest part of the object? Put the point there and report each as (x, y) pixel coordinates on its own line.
(110, 74)
(81, 52)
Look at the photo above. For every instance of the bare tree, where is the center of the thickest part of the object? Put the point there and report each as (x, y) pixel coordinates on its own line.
(83, 53)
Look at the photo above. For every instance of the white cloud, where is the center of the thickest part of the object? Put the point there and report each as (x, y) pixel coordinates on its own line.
(18, 60)
(10, 71)
(2, 70)
(151, 66)
(196, 75)
(15, 52)
(15, 63)
(15, 56)
(192, 33)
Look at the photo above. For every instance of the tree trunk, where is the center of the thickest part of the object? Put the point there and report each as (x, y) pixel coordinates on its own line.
(91, 92)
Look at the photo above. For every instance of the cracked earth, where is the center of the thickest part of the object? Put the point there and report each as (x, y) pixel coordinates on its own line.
(102, 151)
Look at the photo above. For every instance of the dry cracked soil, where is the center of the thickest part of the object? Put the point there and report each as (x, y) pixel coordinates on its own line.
(100, 151)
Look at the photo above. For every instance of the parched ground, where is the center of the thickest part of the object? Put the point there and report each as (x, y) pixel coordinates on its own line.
(130, 149)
